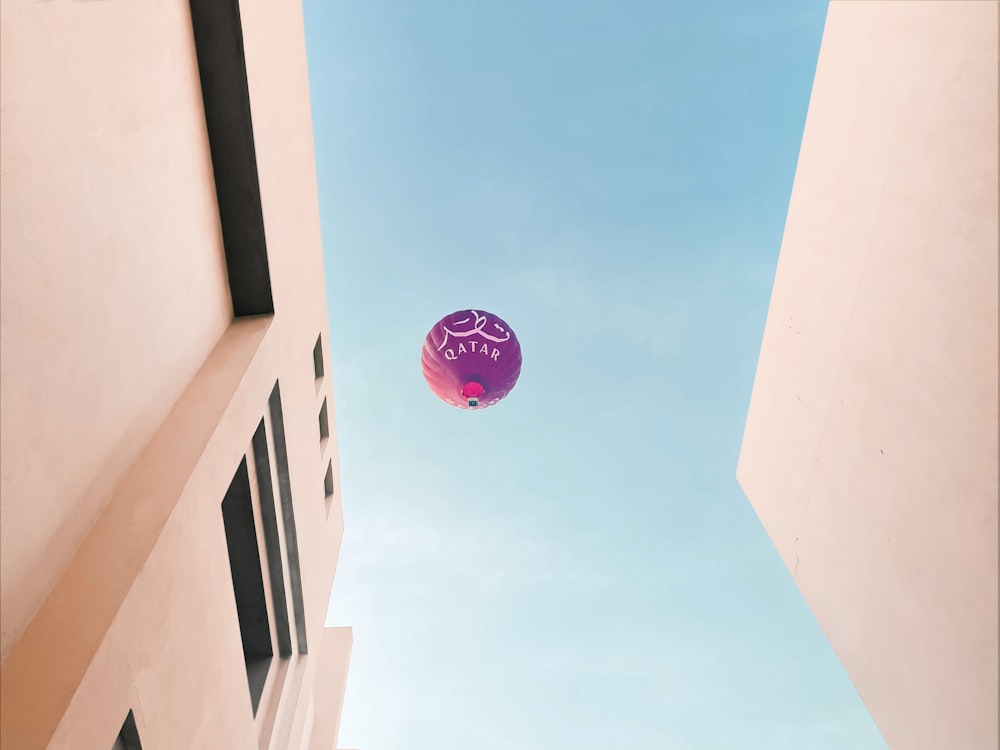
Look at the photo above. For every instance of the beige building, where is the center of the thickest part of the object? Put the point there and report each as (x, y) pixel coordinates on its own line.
(870, 451)
(170, 515)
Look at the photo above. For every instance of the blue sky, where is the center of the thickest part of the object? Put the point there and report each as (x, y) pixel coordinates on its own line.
(577, 567)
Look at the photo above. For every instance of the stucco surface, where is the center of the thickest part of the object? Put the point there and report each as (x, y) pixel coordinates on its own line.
(329, 687)
(130, 394)
(112, 279)
(870, 451)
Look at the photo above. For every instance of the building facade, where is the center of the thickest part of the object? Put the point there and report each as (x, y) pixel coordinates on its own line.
(170, 516)
(870, 449)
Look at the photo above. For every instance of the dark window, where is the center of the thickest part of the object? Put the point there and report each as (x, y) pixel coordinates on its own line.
(272, 541)
(288, 515)
(218, 40)
(248, 582)
(324, 422)
(128, 736)
(318, 357)
(328, 482)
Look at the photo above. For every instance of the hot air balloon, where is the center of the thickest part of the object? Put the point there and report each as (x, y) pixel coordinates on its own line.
(471, 359)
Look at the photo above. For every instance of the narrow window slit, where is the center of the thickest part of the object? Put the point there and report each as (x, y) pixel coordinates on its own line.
(324, 422)
(328, 482)
(128, 735)
(248, 582)
(318, 358)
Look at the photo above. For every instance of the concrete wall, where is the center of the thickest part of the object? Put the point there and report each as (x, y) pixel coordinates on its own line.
(870, 451)
(130, 393)
(328, 690)
(112, 282)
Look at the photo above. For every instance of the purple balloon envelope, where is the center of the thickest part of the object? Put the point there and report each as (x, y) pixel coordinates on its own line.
(471, 359)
